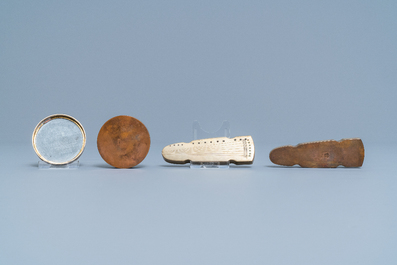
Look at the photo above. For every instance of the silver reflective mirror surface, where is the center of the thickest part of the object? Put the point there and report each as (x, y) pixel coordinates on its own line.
(59, 139)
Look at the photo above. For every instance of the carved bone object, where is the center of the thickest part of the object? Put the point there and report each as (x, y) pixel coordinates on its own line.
(331, 153)
(237, 150)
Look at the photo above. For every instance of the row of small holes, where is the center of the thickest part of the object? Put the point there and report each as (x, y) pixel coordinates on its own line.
(218, 142)
(210, 142)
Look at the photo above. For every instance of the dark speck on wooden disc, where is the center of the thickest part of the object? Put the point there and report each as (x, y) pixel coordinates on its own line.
(123, 142)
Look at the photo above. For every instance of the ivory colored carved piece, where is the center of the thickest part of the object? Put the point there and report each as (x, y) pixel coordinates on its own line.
(237, 150)
(328, 154)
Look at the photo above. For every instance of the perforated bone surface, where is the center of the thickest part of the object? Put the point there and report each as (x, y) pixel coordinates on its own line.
(238, 150)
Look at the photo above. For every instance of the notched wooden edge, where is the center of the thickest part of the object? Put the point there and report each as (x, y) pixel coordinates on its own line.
(361, 149)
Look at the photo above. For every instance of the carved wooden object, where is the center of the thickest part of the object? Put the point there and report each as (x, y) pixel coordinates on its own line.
(123, 142)
(331, 153)
(238, 150)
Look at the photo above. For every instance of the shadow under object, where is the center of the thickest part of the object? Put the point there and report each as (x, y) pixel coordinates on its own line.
(123, 142)
(321, 154)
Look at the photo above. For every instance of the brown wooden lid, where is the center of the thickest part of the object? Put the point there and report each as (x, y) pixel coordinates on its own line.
(123, 142)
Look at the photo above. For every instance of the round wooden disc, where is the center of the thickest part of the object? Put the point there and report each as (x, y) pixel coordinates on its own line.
(123, 142)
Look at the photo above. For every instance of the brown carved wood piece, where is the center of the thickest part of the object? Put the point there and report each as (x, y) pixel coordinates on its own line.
(123, 142)
(325, 154)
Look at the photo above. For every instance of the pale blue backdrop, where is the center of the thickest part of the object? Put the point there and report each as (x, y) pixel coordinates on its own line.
(282, 71)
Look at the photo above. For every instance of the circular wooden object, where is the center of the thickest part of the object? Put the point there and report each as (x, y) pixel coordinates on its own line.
(123, 142)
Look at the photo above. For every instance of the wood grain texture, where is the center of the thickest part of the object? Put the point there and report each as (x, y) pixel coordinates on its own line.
(237, 150)
(327, 154)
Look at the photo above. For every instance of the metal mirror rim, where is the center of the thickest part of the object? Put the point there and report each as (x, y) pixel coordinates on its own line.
(52, 117)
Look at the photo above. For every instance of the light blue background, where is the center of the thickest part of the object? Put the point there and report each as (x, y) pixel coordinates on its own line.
(283, 71)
